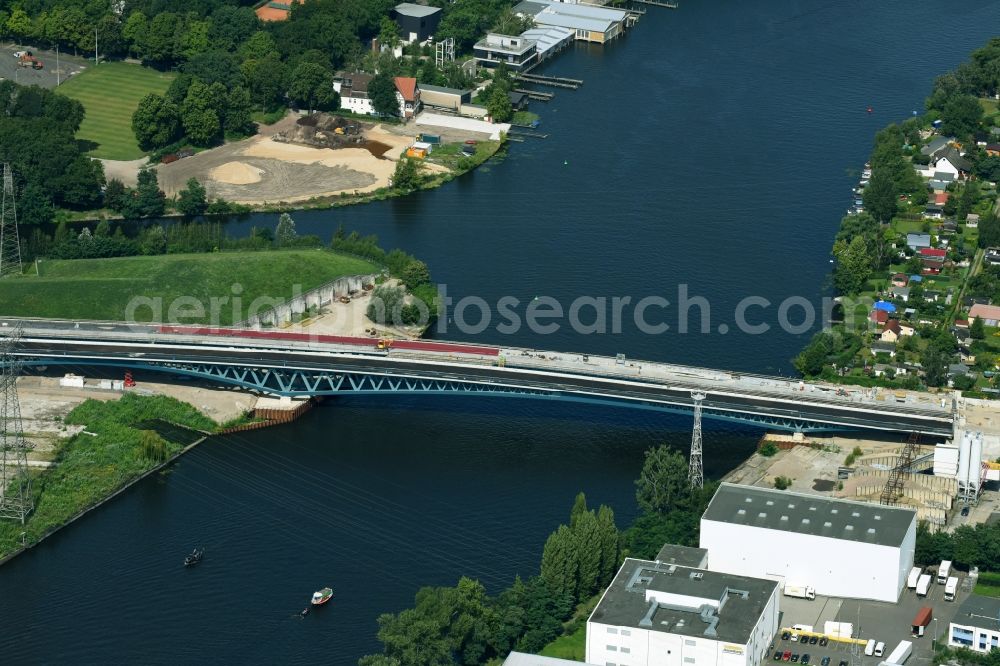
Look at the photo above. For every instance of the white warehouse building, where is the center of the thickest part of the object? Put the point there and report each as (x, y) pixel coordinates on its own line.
(656, 614)
(839, 547)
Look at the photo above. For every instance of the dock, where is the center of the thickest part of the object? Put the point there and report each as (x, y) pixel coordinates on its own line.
(536, 95)
(519, 133)
(555, 81)
(658, 3)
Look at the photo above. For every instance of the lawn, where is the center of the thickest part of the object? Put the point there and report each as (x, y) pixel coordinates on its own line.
(103, 288)
(569, 646)
(110, 93)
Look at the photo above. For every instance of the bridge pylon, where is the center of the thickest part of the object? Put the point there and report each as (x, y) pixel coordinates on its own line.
(696, 472)
(16, 500)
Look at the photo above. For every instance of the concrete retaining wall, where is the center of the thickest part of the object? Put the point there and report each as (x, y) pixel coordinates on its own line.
(314, 298)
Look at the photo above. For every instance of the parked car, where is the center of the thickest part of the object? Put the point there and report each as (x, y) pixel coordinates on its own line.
(825, 661)
(795, 638)
(842, 663)
(795, 658)
(965, 510)
(786, 656)
(805, 658)
(823, 641)
(777, 655)
(813, 640)
(786, 635)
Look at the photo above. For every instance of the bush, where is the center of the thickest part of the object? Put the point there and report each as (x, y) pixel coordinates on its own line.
(852, 456)
(769, 449)
(782, 483)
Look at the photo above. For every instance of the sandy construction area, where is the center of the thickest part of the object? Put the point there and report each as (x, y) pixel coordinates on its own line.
(260, 170)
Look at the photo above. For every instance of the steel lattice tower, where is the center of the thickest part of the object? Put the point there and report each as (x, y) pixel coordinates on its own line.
(10, 244)
(15, 484)
(696, 473)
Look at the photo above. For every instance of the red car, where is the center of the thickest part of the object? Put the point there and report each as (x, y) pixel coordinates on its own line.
(787, 655)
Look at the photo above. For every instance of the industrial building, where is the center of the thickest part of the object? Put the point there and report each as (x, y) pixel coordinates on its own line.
(841, 548)
(683, 556)
(976, 625)
(518, 53)
(417, 23)
(440, 97)
(589, 23)
(524, 659)
(654, 614)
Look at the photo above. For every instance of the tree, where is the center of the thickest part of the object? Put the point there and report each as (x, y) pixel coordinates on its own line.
(406, 177)
(812, 359)
(198, 115)
(311, 85)
(880, 196)
(961, 116)
(382, 91)
(976, 329)
(560, 565)
(854, 265)
(610, 543)
(156, 122)
(147, 200)
(416, 274)
(989, 231)
(114, 194)
(35, 206)
(579, 508)
(285, 233)
(388, 34)
(587, 535)
(266, 79)
(192, 200)
(238, 117)
(663, 482)
(935, 365)
(498, 105)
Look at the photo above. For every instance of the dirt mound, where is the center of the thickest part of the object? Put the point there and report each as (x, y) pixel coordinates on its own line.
(323, 130)
(236, 173)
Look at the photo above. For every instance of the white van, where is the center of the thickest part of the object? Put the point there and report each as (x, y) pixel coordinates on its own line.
(879, 649)
(870, 648)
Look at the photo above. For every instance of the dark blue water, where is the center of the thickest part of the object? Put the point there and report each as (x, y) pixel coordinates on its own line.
(714, 146)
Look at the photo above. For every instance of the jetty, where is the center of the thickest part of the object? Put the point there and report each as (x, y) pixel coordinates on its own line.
(658, 3)
(536, 95)
(555, 81)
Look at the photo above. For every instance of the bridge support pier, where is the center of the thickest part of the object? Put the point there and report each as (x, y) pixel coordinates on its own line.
(696, 472)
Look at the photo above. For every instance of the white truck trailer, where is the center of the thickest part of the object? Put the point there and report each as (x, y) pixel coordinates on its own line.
(950, 588)
(923, 585)
(943, 572)
(900, 654)
(911, 581)
(800, 591)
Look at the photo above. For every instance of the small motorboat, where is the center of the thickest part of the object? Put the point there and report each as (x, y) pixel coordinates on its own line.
(321, 597)
(194, 558)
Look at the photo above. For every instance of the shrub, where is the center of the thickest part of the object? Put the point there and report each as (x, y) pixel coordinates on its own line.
(782, 483)
(769, 449)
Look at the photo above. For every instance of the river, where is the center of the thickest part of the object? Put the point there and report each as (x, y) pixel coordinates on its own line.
(714, 146)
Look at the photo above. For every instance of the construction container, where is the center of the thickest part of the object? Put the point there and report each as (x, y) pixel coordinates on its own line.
(429, 138)
(416, 153)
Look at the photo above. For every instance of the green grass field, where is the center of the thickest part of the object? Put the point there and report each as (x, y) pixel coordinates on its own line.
(110, 94)
(569, 646)
(103, 288)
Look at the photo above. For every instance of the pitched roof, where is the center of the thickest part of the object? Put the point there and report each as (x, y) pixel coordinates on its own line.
(985, 311)
(407, 87)
(417, 11)
(933, 252)
(891, 325)
(952, 155)
(879, 316)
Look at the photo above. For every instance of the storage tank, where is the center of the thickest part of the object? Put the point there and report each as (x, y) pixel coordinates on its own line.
(964, 451)
(976, 460)
(946, 460)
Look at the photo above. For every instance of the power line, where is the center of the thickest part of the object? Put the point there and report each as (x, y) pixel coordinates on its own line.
(15, 485)
(10, 244)
(696, 472)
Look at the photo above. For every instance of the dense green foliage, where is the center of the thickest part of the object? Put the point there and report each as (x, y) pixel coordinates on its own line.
(89, 468)
(967, 546)
(37, 138)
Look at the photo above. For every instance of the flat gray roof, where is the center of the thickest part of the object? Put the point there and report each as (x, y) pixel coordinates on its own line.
(410, 9)
(442, 89)
(684, 556)
(979, 611)
(810, 514)
(743, 601)
(524, 659)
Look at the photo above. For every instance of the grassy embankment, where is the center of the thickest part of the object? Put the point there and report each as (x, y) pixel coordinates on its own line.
(988, 584)
(110, 94)
(130, 437)
(102, 288)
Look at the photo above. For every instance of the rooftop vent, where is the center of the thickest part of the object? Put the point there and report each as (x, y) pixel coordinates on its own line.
(697, 575)
(805, 521)
(849, 528)
(833, 511)
(791, 506)
(828, 524)
(785, 518)
(878, 517)
(762, 515)
(749, 500)
(855, 514)
(742, 512)
(812, 508)
(871, 530)
(770, 502)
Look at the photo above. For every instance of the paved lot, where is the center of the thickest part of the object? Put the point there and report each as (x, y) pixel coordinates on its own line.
(46, 77)
(889, 623)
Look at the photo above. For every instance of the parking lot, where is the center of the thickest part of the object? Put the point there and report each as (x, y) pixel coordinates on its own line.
(879, 621)
(47, 77)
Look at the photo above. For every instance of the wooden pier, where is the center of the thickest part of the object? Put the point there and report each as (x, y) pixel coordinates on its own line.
(519, 133)
(536, 94)
(555, 81)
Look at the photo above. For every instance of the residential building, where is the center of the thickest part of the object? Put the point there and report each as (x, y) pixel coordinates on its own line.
(900, 280)
(916, 241)
(891, 331)
(933, 253)
(655, 614)
(936, 145)
(417, 23)
(517, 53)
(976, 625)
(934, 211)
(990, 314)
(353, 91)
(549, 40)
(878, 317)
(589, 23)
(972, 220)
(884, 348)
(440, 97)
(901, 293)
(407, 95)
(812, 540)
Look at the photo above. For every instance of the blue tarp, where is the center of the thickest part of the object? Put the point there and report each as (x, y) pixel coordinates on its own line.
(888, 307)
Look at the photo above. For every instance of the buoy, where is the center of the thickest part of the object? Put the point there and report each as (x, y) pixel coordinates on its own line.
(565, 162)
(869, 109)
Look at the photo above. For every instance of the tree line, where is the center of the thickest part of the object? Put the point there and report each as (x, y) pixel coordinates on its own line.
(465, 625)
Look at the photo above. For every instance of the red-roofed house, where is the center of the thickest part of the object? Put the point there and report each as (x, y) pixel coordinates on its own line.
(961, 323)
(879, 317)
(891, 331)
(990, 314)
(408, 96)
(941, 198)
(900, 280)
(933, 252)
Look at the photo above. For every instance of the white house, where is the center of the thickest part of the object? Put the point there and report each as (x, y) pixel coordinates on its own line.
(944, 165)
(840, 547)
(976, 625)
(658, 614)
(407, 95)
(353, 91)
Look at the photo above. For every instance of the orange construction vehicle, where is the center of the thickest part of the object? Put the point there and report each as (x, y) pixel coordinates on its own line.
(384, 343)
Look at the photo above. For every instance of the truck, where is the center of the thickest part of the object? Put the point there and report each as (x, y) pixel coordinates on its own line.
(838, 629)
(943, 572)
(800, 591)
(920, 622)
(28, 60)
(950, 588)
(911, 581)
(923, 585)
(900, 654)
